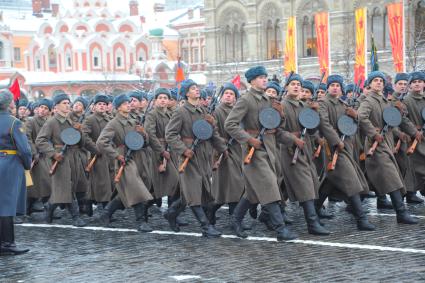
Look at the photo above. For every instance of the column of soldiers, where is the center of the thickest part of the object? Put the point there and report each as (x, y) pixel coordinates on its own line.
(130, 151)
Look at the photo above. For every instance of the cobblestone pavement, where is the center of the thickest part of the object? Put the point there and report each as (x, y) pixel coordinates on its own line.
(61, 252)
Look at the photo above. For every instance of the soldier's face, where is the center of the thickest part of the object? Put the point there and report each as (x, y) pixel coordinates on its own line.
(144, 103)
(321, 94)
(171, 103)
(401, 86)
(228, 97)
(335, 90)
(134, 103)
(271, 92)
(193, 92)
(349, 94)
(366, 90)
(110, 107)
(22, 111)
(63, 107)
(100, 107)
(259, 82)
(294, 89)
(417, 85)
(36, 111)
(78, 107)
(377, 84)
(43, 111)
(305, 94)
(162, 101)
(124, 108)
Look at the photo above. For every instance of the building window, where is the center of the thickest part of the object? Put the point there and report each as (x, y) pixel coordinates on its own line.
(68, 59)
(96, 58)
(309, 40)
(37, 63)
(185, 55)
(195, 55)
(203, 54)
(119, 58)
(420, 23)
(52, 56)
(17, 54)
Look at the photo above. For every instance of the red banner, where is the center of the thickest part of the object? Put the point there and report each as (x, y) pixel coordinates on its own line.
(237, 81)
(322, 32)
(290, 56)
(360, 67)
(396, 28)
(15, 89)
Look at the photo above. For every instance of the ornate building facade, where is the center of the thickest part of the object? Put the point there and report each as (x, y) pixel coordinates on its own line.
(243, 33)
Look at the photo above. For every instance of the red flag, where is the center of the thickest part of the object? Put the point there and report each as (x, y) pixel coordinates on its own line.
(396, 27)
(237, 81)
(179, 73)
(322, 31)
(15, 90)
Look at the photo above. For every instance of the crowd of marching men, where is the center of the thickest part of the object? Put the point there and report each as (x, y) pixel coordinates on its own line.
(203, 149)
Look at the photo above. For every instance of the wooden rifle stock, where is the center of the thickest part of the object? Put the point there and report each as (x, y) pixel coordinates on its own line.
(317, 152)
(297, 150)
(163, 166)
(372, 149)
(53, 168)
(183, 165)
(89, 166)
(248, 157)
(119, 174)
(412, 148)
(397, 146)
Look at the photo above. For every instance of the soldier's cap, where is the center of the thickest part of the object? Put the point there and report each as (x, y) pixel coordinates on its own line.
(34, 105)
(184, 87)
(100, 98)
(401, 77)
(6, 98)
(162, 90)
(294, 77)
(135, 94)
(322, 86)
(274, 85)
(375, 74)
(336, 79)
(46, 102)
(173, 93)
(58, 98)
(120, 99)
(82, 100)
(232, 87)
(23, 103)
(417, 76)
(308, 85)
(255, 72)
(110, 98)
(349, 88)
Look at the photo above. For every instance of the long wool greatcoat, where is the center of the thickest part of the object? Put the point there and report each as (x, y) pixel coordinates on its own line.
(69, 176)
(195, 181)
(12, 188)
(228, 180)
(100, 189)
(111, 142)
(165, 183)
(381, 168)
(301, 180)
(347, 176)
(261, 184)
(415, 102)
(40, 171)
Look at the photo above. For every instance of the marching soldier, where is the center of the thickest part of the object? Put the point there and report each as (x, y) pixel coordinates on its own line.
(301, 179)
(382, 169)
(65, 178)
(132, 192)
(415, 102)
(347, 176)
(195, 181)
(100, 179)
(41, 163)
(15, 157)
(228, 181)
(261, 184)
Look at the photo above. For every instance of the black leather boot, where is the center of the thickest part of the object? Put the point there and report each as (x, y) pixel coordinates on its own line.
(50, 209)
(237, 218)
(276, 219)
(106, 214)
(253, 212)
(320, 209)
(363, 223)
(7, 238)
(383, 203)
(402, 215)
(285, 216)
(75, 213)
(411, 197)
(208, 230)
(313, 225)
(211, 211)
(173, 212)
(141, 213)
(264, 218)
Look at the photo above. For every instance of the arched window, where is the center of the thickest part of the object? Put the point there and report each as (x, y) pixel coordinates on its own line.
(119, 58)
(37, 63)
(420, 22)
(269, 36)
(377, 28)
(96, 58)
(52, 56)
(309, 40)
(235, 42)
(68, 59)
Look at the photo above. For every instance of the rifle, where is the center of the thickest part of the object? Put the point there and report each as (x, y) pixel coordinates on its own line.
(215, 101)
(319, 148)
(284, 89)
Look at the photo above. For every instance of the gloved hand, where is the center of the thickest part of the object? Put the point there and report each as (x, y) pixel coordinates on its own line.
(419, 136)
(58, 157)
(340, 146)
(188, 153)
(404, 138)
(210, 119)
(121, 159)
(379, 138)
(314, 105)
(141, 130)
(255, 143)
(299, 143)
(166, 155)
(351, 112)
(78, 126)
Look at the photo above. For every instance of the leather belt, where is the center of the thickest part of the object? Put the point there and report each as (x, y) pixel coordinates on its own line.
(253, 132)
